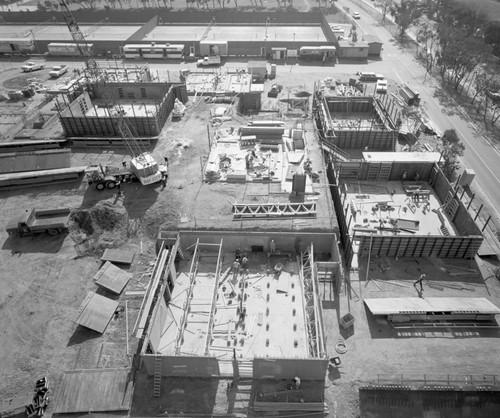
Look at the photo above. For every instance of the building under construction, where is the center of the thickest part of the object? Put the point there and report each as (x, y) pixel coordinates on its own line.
(356, 122)
(144, 101)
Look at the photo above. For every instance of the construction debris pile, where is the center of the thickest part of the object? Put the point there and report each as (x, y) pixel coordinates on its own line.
(333, 87)
(100, 227)
(259, 151)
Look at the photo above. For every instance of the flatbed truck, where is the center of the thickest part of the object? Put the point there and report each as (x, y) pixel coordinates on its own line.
(39, 221)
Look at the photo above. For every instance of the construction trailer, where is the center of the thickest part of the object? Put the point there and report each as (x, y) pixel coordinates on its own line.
(16, 46)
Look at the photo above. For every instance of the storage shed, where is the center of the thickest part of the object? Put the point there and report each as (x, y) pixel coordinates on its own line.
(258, 70)
(349, 49)
(374, 44)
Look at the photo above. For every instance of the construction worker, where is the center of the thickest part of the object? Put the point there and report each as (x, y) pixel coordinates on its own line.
(244, 262)
(272, 247)
(236, 270)
(420, 282)
(119, 187)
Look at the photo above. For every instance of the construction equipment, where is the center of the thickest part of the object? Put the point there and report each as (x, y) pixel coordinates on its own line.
(143, 164)
(51, 221)
(275, 90)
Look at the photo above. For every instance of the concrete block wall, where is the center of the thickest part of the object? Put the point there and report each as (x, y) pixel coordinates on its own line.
(280, 368)
(419, 246)
(168, 16)
(13, 162)
(384, 140)
(286, 242)
(463, 221)
(182, 366)
(135, 91)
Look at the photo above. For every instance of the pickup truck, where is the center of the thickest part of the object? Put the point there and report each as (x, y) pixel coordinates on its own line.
(50, 221)
(32, 66)
(210, 60)
(58, 70)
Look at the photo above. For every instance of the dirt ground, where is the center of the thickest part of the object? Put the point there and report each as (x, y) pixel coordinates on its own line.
(45, 279)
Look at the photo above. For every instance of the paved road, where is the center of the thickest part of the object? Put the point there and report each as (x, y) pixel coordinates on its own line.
(480, 155)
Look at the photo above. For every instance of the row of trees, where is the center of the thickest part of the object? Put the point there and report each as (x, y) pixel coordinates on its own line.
(459, 42)
(190, 4)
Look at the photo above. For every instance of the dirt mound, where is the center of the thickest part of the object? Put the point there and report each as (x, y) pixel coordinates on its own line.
(100, 227)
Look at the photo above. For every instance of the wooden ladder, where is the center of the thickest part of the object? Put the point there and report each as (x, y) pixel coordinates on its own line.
(157, 377)
(181, 253)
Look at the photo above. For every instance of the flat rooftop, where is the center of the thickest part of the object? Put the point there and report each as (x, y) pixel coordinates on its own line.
(274, 323)
(172, 33)
(250, 187)
(60, 33)
(218, 82)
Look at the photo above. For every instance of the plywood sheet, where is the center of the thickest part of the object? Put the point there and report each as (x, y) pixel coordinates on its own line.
(283, 282)
(391, 306)
(94, 391)
(96, 311)
(112, 278)
(118, 256)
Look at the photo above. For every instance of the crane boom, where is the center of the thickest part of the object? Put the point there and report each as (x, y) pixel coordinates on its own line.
(142, 163)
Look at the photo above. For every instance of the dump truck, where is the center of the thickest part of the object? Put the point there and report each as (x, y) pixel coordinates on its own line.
(39, 221)
(207, 61)
(105, 177)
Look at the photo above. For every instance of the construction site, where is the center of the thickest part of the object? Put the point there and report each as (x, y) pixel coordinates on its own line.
(247, 240)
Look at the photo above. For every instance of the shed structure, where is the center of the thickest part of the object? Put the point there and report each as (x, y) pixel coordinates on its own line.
(374, 44)
(258, 70)
(94, 391)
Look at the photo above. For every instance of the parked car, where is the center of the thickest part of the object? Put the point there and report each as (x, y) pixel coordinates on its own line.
(356, 15)
(367, 76)
(58, 70)
(32, 66)
(381, 87)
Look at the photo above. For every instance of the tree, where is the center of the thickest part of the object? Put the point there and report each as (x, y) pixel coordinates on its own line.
(459, 54)
(428, 37)
(385, 7)
(451, 149)
(405, 13)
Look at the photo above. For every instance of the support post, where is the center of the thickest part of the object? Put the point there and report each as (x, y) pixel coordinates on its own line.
(478, 212)
(471, 199)
(126, 326)
(486, 224)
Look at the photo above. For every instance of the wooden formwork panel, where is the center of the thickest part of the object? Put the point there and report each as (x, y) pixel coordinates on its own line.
(420, 246)
(359, 139)
(350, 105)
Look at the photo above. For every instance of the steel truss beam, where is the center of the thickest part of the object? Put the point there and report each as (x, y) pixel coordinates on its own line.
(271, 210)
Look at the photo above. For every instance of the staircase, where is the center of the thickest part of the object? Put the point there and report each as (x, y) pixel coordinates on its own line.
(157, 377)
(245, 368)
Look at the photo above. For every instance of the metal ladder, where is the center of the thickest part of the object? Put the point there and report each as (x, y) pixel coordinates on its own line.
(157, 377)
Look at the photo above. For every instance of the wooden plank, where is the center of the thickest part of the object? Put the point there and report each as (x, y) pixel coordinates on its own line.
(118, 256)
(112, 278)
(96, 311)
(94, 390)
